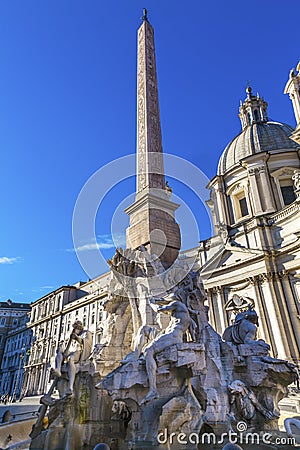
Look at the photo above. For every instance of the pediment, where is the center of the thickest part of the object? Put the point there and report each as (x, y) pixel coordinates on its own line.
(283, 172)
(229, 257)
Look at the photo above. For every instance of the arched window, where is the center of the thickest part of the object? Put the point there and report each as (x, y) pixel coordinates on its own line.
(239, 201)
(285, 186)
(256, 115)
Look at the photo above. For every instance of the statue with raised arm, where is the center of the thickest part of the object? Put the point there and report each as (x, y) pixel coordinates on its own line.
(173, 334)
(78, 351)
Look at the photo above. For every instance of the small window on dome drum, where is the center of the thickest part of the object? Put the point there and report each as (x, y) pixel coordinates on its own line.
(243, 207)
(288, 194)
(256, 115)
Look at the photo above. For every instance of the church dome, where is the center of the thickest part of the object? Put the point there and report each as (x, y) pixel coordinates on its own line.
(258, 134)
(256, 138)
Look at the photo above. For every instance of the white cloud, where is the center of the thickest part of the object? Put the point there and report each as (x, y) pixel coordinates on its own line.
(95, 246)
(43, 288)
(104, 242)
(9, 260)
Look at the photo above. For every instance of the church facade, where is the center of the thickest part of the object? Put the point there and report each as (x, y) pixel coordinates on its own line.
(253, 257)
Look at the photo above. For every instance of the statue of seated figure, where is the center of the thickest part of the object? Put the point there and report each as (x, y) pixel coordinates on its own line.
(78, 351)
(173, 334)
(244, 329)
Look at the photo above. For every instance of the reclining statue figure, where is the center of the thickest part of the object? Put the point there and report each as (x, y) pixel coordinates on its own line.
(244, 329)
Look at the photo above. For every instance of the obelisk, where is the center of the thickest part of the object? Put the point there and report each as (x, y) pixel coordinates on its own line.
(152, 222)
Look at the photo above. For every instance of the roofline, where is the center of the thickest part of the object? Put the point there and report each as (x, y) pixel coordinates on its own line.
(52, 293)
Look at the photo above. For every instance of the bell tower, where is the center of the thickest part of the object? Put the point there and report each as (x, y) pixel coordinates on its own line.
(152, 221)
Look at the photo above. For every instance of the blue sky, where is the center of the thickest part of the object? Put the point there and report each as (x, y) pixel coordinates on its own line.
(67, 108)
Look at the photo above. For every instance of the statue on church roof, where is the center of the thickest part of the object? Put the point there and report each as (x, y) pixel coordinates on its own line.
(296, 180)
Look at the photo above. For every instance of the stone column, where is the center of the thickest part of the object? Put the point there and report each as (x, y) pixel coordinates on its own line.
(220, 205)
(277, 331)
(40, 379)
(259, 306)
(266, 190)
(211, 311)
(293, 310)
(221, 307)
(286, 318)
(256, 203)
(24, 389)
(32, 381)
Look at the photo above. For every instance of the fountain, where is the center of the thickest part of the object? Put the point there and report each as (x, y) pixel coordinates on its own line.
(168, 379)
(161, 377)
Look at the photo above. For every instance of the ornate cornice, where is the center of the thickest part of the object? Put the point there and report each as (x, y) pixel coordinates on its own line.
(289, 210)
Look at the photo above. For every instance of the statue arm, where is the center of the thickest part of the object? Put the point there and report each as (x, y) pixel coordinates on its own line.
(77, 338)
(86, 337)
(267, 414)
(169, 307)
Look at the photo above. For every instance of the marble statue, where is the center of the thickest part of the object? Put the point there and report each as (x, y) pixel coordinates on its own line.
(78, 351)
(174, 334)
(296, 180)
(127, 262)
(145, 335)
(244, 329)
(245, 402)
(121, 410)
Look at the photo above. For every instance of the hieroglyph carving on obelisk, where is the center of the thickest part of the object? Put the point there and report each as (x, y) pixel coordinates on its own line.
(150, 166)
